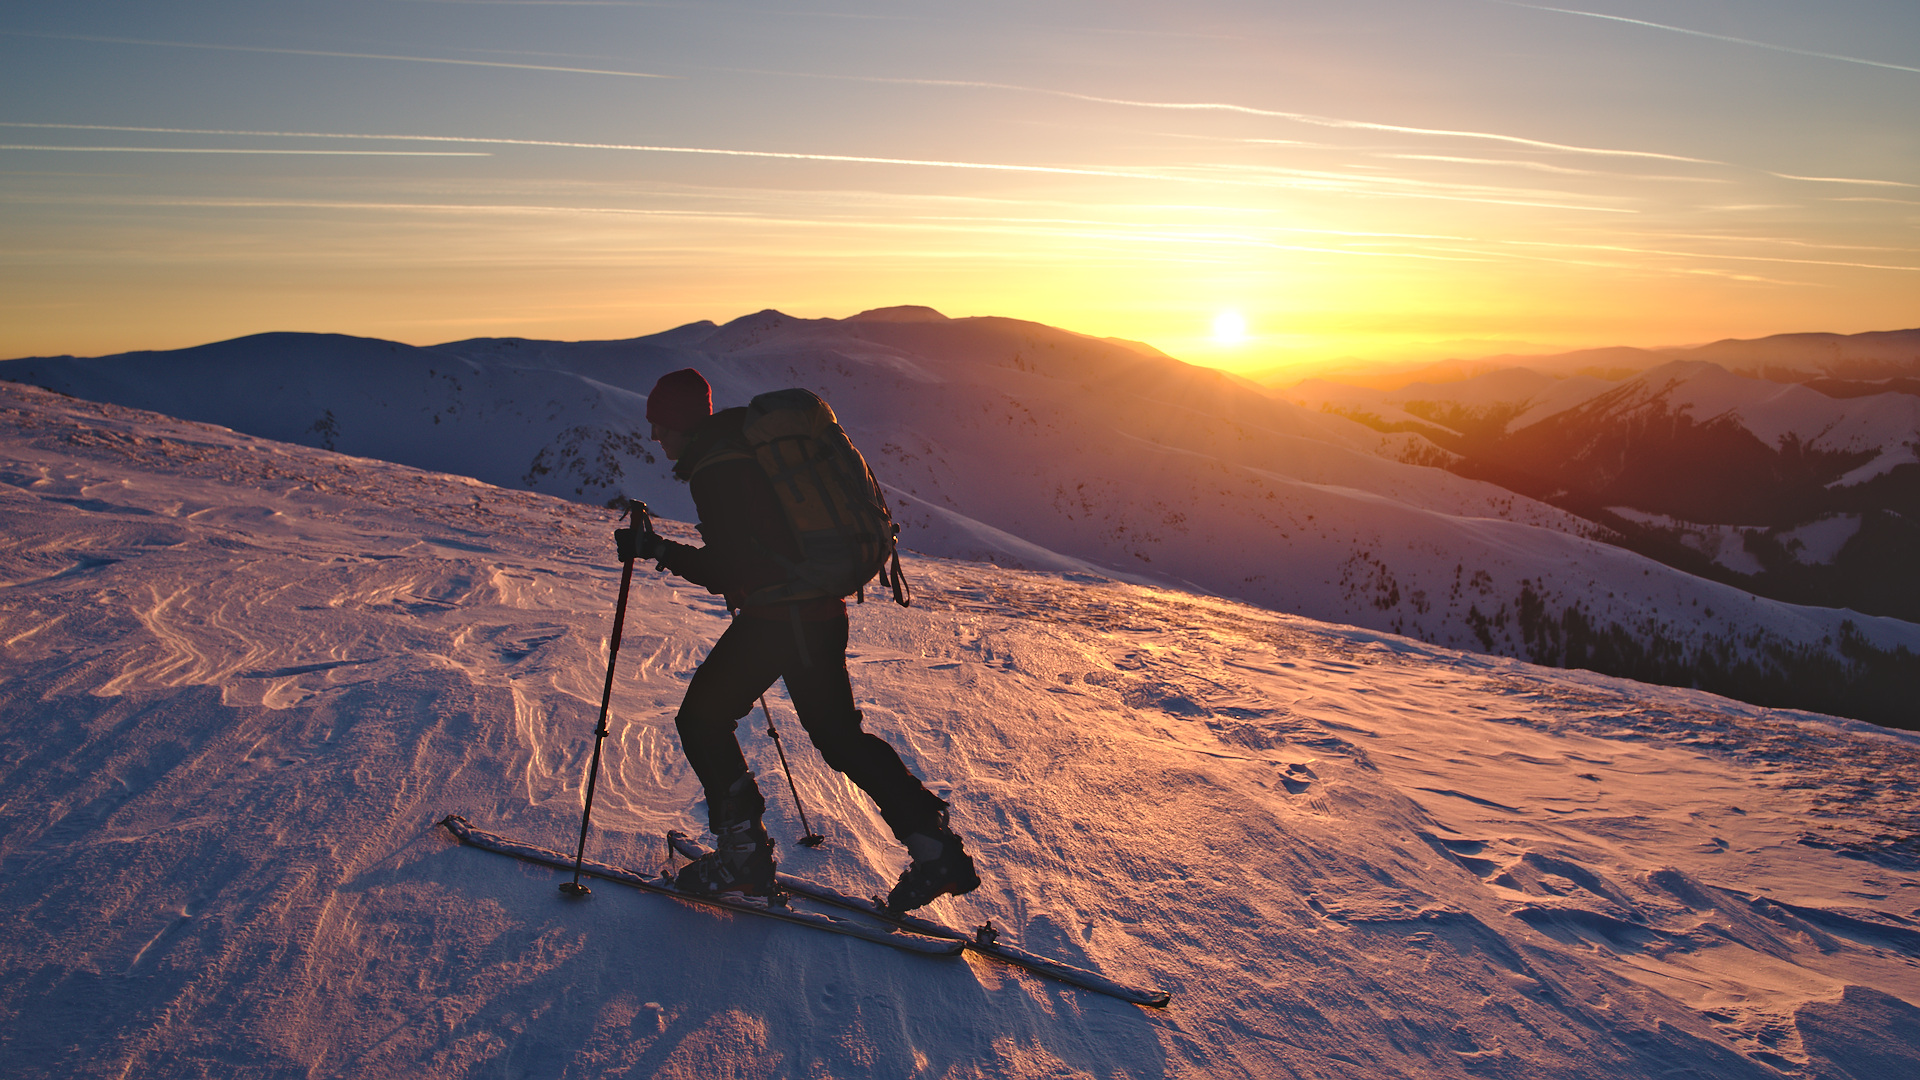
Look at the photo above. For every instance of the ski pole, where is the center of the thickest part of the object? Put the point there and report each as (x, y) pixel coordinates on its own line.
(812, 839)
(638, 511)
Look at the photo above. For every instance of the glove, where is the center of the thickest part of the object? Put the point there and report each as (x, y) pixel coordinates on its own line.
(638, 544)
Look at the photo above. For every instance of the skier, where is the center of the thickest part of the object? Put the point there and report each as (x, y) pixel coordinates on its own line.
(747, 540)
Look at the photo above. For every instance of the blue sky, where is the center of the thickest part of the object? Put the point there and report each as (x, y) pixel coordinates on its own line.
(1385, 179)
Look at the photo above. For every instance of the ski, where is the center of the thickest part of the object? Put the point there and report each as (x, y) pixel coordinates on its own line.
(984, 940)
(904, 940)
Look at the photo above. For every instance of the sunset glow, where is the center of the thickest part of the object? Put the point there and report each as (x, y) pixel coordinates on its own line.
(1390, 181)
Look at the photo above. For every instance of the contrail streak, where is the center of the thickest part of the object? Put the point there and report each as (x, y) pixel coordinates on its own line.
(1713, 37)
(1541, 166)
(1707, 255)
(780, 155)
(341, 55)
(1337, 183)
(1842, 180)
(1249, 110)
(1070, 229)
(1376, 187)
(1086, 231)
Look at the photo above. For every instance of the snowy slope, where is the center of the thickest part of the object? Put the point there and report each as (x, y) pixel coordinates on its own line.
(242, 680)
(1017, 443)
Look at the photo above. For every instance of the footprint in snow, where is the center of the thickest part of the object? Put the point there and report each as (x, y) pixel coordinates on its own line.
(1297, 778)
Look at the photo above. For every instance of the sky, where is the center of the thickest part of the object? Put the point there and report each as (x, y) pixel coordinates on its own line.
(1259, 186)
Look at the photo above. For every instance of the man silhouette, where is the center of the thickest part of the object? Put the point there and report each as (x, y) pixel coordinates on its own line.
(747, 537)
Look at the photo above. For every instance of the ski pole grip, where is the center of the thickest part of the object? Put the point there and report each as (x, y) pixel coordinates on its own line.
(631, 543)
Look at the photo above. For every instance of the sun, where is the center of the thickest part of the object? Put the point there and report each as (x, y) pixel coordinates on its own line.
(1229, 328)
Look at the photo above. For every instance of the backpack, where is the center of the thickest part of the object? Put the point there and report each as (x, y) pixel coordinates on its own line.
(846, 533)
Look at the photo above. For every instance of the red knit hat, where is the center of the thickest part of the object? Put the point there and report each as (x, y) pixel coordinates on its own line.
(680, 400)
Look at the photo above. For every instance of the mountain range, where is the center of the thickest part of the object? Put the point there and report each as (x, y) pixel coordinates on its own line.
(1038, 448)
(1869, 359)
(1807, 491)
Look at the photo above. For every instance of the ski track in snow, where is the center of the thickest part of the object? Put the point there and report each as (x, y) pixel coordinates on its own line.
(243, 679)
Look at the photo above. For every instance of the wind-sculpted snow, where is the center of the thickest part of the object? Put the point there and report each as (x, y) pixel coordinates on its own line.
(240, 681)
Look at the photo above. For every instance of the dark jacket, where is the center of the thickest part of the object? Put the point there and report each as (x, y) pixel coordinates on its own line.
(741, 522)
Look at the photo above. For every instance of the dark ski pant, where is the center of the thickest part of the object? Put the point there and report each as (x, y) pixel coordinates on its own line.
(743, 664)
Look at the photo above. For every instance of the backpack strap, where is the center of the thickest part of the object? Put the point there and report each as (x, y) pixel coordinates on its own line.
(902, 592)
(730, 451)
(717, 440)
(893, 576)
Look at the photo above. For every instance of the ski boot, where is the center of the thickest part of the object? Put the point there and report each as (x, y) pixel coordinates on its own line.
(741, 862)
(742, 857)
(940, 866)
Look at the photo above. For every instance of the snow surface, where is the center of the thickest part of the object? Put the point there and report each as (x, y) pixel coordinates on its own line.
(244, 679)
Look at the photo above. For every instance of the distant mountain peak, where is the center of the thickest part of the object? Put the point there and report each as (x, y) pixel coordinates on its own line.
(760, 320)
(909, 313)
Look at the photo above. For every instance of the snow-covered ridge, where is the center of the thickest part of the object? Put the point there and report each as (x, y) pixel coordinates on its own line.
(240, 680)
(1884, 427)
(1874, 355)
(1021, 444)
(1779, 488)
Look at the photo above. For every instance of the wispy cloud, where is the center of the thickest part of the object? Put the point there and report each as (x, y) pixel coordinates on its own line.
(339, 55)
(1714, 37)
